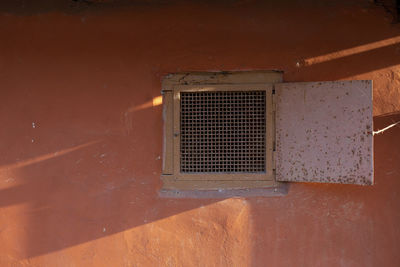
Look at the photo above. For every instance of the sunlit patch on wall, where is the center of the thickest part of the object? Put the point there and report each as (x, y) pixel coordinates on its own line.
(207, 227)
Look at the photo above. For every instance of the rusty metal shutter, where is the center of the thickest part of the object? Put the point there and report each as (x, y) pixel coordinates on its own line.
(324, 132)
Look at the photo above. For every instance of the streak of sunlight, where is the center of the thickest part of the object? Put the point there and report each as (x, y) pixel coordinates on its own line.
(46, 156)
(351, 51)
(156, 101)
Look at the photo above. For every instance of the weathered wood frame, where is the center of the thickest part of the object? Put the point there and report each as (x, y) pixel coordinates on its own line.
(172, 86)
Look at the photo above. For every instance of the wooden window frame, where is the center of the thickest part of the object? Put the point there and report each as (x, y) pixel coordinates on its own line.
(172, 85)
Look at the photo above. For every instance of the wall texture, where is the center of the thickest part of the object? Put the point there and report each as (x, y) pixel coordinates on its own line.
(81, 139)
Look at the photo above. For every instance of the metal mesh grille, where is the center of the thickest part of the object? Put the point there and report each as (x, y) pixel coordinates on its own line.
(223, 132)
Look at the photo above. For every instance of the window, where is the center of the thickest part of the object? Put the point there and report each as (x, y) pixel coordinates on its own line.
(246, 130)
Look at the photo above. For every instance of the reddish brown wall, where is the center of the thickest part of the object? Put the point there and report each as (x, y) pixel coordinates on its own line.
(81, 188)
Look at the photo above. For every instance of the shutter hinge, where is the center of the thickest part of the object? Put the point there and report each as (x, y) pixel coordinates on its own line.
(274, 159)
(273, 100)
(274, 128)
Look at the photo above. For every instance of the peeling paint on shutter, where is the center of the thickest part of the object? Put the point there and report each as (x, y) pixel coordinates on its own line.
(324, 132)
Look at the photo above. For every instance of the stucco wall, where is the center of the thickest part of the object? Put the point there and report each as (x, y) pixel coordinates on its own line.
(81, 140)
